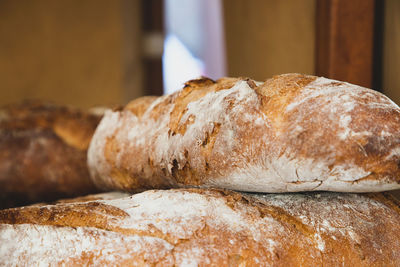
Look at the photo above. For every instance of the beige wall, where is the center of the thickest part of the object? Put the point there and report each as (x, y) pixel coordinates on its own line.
(71, 52)
(391, 52)
(87, 52)
(268, 37)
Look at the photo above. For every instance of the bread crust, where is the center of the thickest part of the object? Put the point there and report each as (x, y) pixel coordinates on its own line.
(206, 228)
(43, 151)
(291, 133)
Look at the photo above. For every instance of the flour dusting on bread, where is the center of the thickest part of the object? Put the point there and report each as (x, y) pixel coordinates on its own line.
(182, 226)
(291, 133)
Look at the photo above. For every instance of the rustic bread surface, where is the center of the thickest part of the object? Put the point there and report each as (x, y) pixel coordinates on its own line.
(190, 227)
(291, 133)
(43, 151)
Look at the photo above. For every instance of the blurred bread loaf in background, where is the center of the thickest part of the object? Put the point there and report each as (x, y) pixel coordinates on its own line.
(43, 152)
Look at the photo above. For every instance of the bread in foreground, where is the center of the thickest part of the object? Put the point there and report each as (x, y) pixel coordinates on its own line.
(290, 133)
(43, 151)
(193, 227)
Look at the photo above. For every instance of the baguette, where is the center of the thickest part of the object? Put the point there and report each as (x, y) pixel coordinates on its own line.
(200, 227)
(291, 133)
(43, 150)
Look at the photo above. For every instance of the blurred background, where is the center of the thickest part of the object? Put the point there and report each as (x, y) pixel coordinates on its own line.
(102, 52)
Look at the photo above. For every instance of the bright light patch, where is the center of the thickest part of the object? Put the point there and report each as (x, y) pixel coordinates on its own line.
(179, 65)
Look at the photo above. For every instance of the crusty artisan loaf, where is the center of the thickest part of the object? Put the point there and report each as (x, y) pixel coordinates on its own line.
(43, 151)
(191, 227)
(291, 133)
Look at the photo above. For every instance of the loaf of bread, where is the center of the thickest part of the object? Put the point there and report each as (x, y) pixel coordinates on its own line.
(203, 227)
(43, 151)
(290, 133)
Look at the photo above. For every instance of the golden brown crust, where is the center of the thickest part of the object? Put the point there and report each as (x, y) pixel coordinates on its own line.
(213, 227)
(86, 198)
(139, 105)
(293, 132)
(193, 91)
(373, 132)
(43, 153)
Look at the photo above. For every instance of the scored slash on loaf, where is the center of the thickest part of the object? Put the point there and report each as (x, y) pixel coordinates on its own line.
(200, 227)
(291, 133)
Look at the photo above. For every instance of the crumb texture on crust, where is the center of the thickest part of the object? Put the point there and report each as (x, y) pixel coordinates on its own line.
(206, 227)
(43, 153)
(290, 133)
